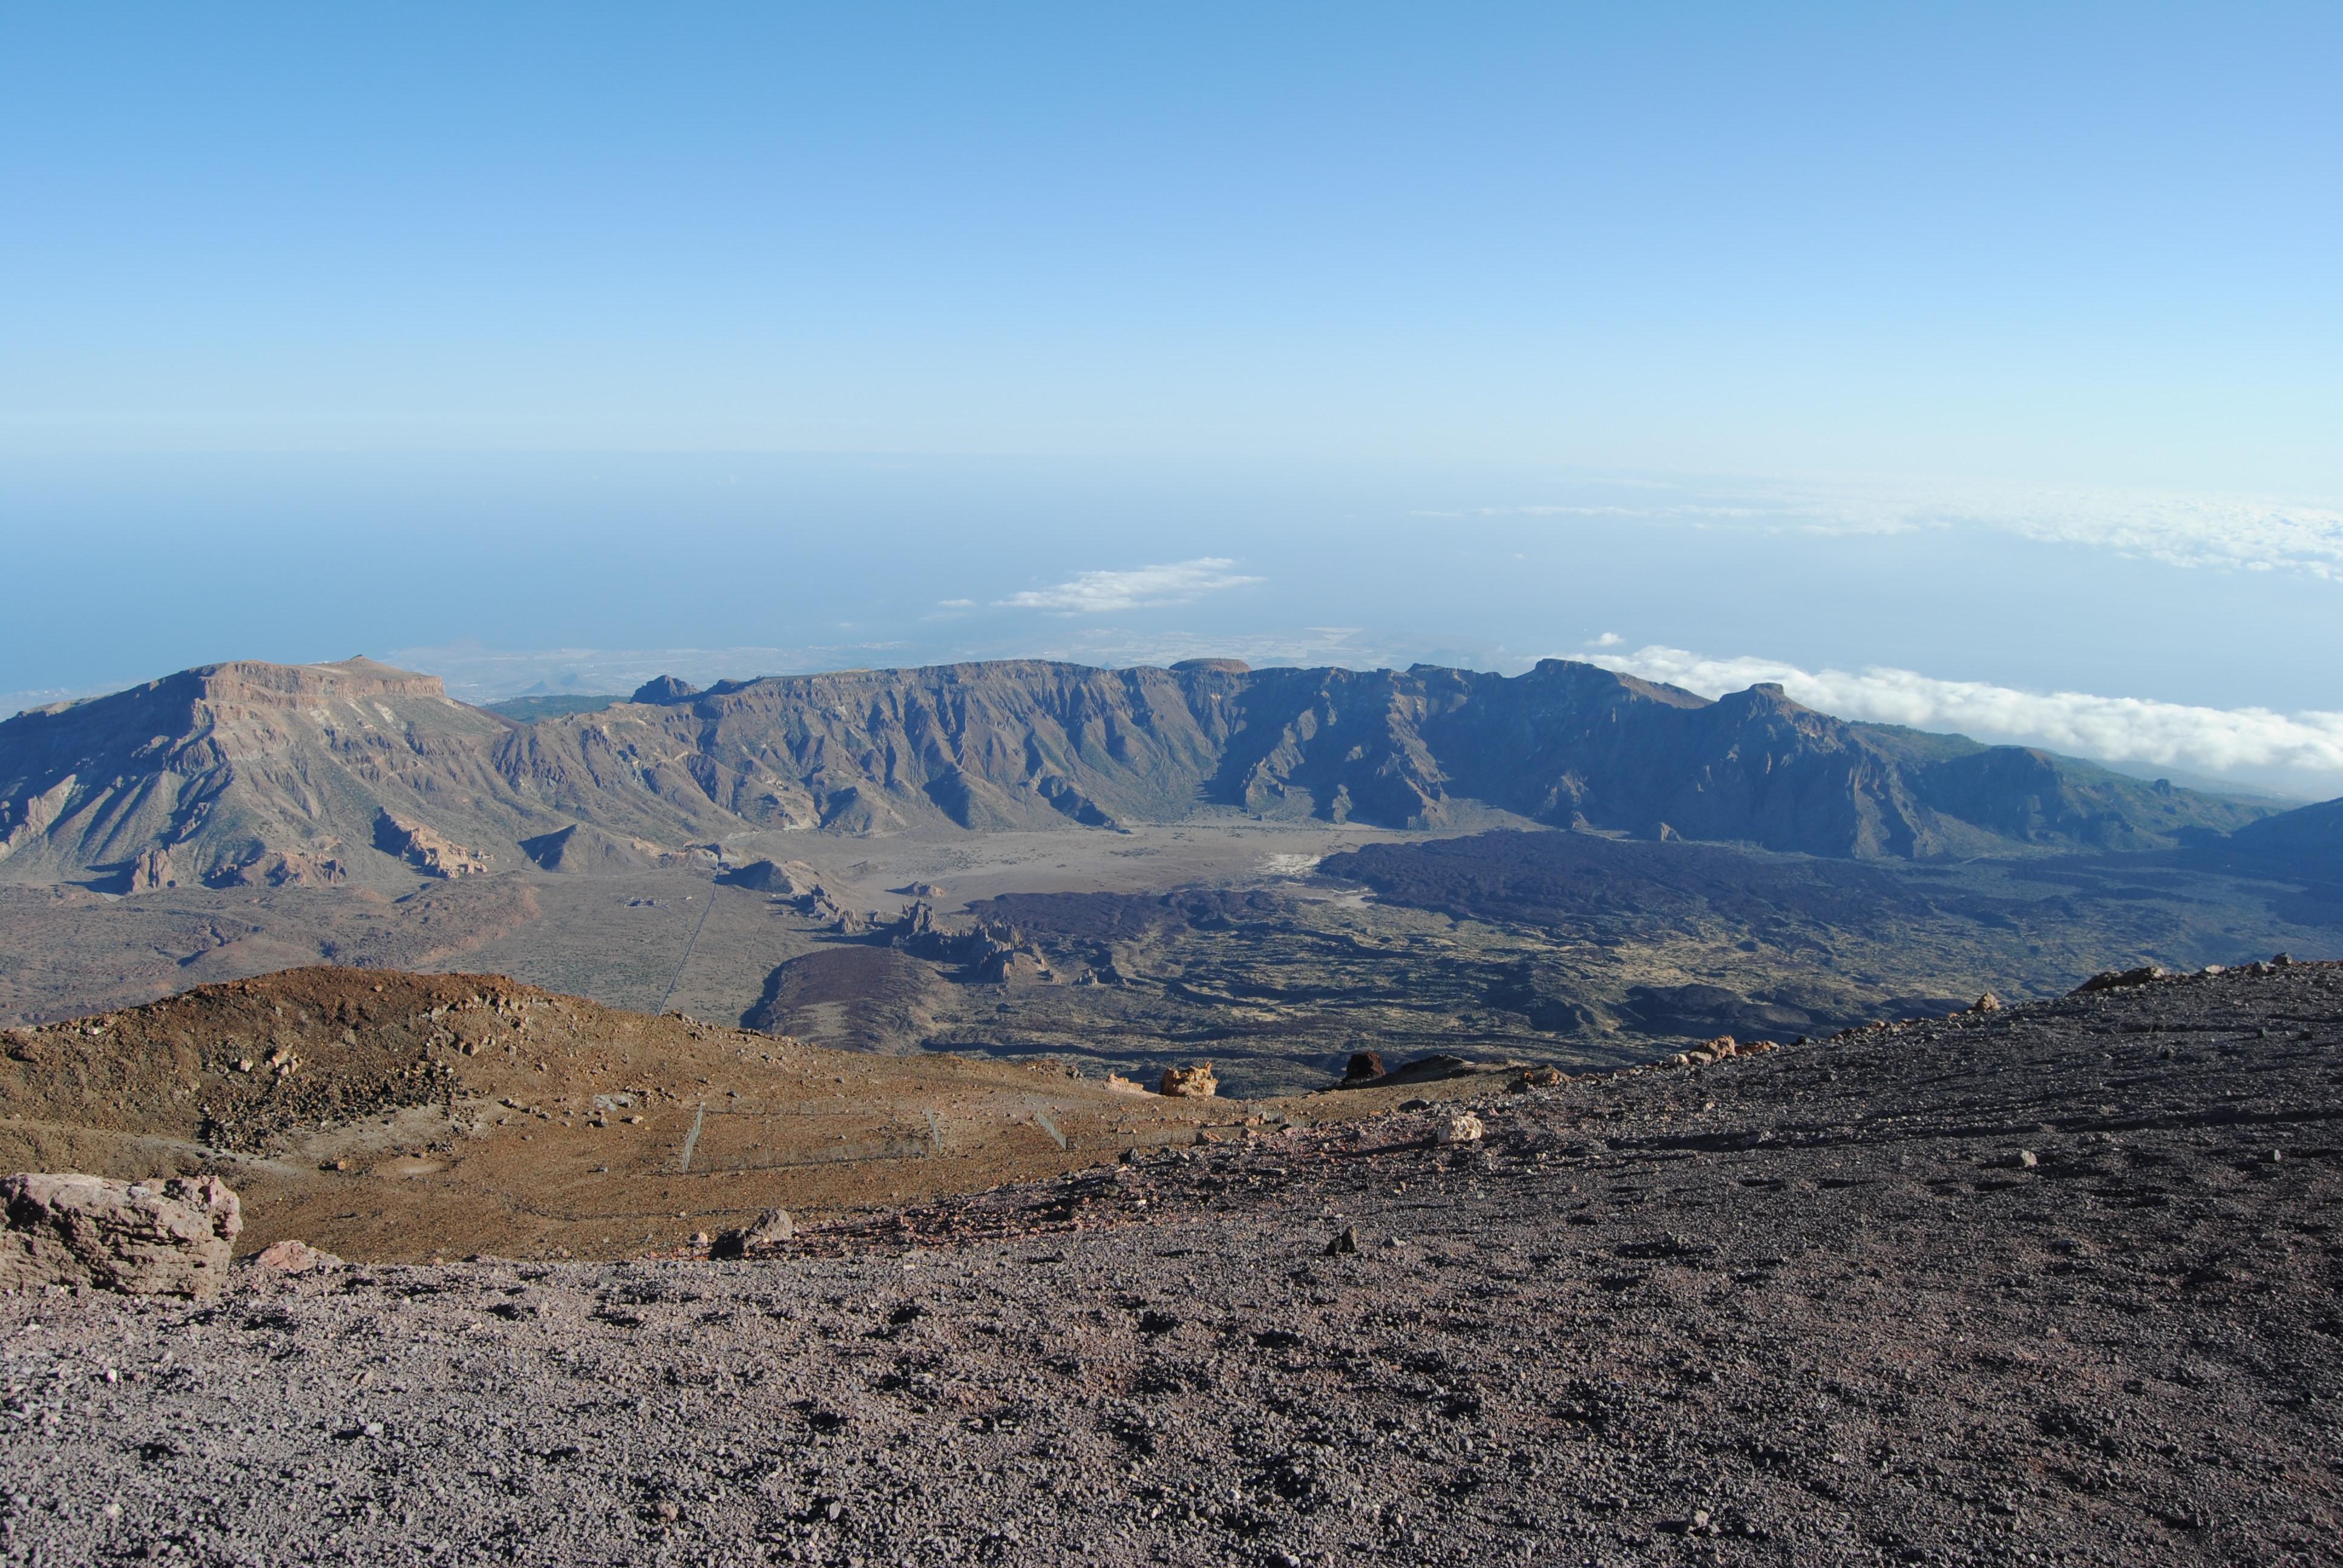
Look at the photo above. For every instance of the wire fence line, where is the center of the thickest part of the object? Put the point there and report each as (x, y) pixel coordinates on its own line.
(705, 910)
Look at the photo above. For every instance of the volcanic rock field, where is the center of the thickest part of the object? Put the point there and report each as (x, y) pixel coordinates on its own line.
(2050, 1283)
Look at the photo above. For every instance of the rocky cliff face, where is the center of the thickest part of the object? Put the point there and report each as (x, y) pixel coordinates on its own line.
(1028, 744)
(252, 772)
(1013, 744)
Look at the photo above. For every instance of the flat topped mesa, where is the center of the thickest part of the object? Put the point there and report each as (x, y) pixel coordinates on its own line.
(359, 676)
(258, 681)
(243, 771)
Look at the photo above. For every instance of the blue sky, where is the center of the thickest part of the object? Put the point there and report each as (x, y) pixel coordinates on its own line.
(1992, 344)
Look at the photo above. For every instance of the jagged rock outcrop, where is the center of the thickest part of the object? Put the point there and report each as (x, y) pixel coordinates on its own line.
(152, 871)
(429, 852)
(1197, 1082)
(281, 869)
(161, 1238)
(985, 950)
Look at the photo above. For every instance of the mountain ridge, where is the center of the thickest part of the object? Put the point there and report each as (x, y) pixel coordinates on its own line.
(245, 772)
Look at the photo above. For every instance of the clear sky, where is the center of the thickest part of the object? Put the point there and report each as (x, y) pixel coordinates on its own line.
(1984, 344)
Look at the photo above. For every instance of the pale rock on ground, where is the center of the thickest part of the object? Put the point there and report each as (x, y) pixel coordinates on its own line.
(161, 1238)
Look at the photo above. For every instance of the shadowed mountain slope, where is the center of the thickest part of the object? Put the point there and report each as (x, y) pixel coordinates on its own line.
(2310, 836)
(248, 772)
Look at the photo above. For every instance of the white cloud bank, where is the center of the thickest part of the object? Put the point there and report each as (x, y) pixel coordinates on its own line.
(2307, 747)
(1093, 593)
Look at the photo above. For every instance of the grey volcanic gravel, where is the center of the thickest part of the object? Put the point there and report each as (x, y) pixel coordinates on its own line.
(1809, 1307)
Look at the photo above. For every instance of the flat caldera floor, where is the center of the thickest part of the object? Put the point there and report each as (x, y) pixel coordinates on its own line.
(1274, 949)
(634, 938)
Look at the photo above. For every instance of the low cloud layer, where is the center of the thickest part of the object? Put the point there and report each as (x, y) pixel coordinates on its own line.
(1307, 648)
(2239, 532)
(2181, 530)
(475, 674)
(2307, 747)
(1102, 592)
(15, 702)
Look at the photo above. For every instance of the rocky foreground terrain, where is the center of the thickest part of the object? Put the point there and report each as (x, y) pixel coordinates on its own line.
(400, 1117)
(2054, 1283)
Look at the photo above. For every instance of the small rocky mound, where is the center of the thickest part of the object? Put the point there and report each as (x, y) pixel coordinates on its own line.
(852, 994)
(582, 849)
(234, 1066)
(788, 879)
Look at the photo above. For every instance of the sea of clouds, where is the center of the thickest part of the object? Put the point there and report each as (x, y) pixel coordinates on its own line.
(2253, 741)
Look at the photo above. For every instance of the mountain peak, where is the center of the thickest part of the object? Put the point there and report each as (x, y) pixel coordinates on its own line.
(664, 690)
